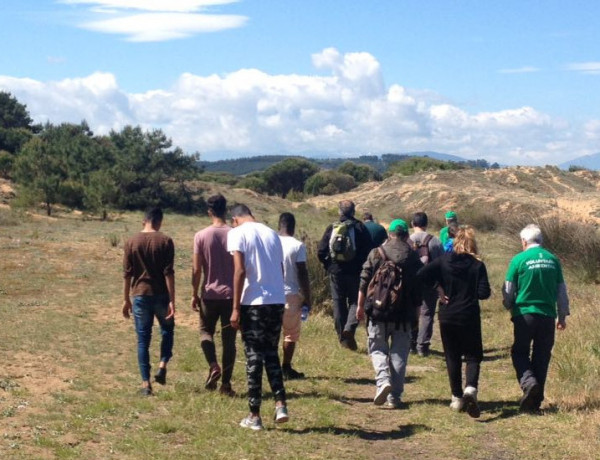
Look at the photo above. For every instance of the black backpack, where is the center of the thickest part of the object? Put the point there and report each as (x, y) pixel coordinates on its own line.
(384, 293)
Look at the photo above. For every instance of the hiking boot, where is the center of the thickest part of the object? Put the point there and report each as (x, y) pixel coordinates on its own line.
(470, 402)
(213, 377)
(423, 351)
(253, 422)
(381, 394)
(413, 348)
(457, 404)
(161, 376)
(530, 402)
(290, 373)
(226, 390)
(281, 414)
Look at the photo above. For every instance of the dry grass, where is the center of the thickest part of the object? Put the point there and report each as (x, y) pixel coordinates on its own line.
(68, 386)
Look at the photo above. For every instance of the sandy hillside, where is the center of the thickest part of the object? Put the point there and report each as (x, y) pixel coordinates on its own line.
(506, 191)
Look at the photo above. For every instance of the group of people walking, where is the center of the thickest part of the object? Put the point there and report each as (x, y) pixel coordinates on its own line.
(253, 279)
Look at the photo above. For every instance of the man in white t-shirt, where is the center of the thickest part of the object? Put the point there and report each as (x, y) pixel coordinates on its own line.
(297, 291)
(258, 302)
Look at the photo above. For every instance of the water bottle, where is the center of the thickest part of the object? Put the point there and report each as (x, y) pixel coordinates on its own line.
(305, 311)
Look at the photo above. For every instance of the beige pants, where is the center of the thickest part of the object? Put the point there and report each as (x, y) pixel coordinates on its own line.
(292, 321)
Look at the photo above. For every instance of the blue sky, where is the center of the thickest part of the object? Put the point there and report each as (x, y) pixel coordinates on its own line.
(516, 82)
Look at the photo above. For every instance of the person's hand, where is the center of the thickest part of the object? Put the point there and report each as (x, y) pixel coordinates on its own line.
(561, 325)
(360, 313)
(171, 310)
(234, 320)
(127, 308)
(444, 299)
(195, 303)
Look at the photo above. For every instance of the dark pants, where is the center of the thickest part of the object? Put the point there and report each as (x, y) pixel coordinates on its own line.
(145, 308)
(261, 328)
(531, 362)
(344, 292)
(458, 341)
(426, 315)
(210, 312)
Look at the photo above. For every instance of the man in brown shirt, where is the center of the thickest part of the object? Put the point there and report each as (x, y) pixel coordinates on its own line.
(150, 279)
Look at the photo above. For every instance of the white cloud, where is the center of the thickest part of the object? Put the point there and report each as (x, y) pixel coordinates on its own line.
(346, 111)
(525, 69)
(592, 68)
(156, 20)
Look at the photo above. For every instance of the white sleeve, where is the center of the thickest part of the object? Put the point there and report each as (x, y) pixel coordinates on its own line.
(234, 241)
(301, 256)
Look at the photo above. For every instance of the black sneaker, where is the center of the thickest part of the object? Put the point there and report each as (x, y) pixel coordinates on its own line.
(213, 377)
(530, 402)
(146, 391)
(161, 376)
(290, 373)
(348, 340)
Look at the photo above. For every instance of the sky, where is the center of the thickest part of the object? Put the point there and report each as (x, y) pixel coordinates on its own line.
(514, 82)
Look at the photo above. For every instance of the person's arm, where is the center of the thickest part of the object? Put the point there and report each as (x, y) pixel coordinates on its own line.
(563, 306)
(170, 279)
(510, 288)
(483, 284)
(127, 276)
(323, 247)
(239, 275)
(304, 283)
(126, 299)
(196, 277)
(365, 278)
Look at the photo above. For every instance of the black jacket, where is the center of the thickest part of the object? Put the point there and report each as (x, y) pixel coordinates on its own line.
(364, 244)
(403, 255)
(465, 282)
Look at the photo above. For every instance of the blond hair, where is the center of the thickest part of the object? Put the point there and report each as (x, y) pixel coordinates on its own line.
(464, 241)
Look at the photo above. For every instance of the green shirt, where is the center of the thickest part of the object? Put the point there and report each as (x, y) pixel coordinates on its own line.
(536, 274)
(444, 235)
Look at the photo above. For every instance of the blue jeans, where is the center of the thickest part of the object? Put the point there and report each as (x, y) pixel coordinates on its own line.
(145, 308)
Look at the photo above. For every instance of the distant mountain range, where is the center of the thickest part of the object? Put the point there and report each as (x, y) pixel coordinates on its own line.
(246, 165)
(587, 161)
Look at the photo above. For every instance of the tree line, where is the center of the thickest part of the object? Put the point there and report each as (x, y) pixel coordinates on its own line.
(67, 164)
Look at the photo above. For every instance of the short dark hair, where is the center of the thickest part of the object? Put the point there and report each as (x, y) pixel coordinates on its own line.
(452, 229)
(367, 216)
(154, 215)
(287, 221)
(346, 208)
(241, 210)
(420, 220)
(217, 204)
(400, 233)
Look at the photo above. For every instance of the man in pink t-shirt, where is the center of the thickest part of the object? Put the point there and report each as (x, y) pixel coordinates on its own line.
(215, 301)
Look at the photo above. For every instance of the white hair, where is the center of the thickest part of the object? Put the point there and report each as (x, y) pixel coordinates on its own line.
(531, 234)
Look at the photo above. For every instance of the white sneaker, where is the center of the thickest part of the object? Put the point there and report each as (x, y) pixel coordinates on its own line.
(382, 393)
(281, 414)
(254, 423)
(470, 402)
(457, 404)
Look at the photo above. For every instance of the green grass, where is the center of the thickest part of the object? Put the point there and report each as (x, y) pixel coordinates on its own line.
(68, 388)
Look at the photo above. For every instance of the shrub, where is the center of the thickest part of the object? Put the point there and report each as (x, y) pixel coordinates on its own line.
(415, 165)
(329, 183)
(319, 281)
(360, 173)
(483, 219)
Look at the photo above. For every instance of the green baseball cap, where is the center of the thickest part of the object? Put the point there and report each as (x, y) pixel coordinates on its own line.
(398, 224)
(450, 215)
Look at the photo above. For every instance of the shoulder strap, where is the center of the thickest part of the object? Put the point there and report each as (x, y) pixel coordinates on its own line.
(426, 240)
(382, 253)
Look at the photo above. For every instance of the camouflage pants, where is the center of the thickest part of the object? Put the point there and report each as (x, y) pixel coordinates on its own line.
(261, 328)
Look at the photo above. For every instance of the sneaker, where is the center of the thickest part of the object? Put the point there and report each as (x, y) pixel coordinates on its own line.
(289, 373)
(226, 390)
(281, 414)
(457, 404)
(530, 402)
(393, 402)
(252, 422)
(382, 394)
(470, 402)
(348, 340)
(213, 377)
(146, 391)
(161, 376)
(423, 351)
